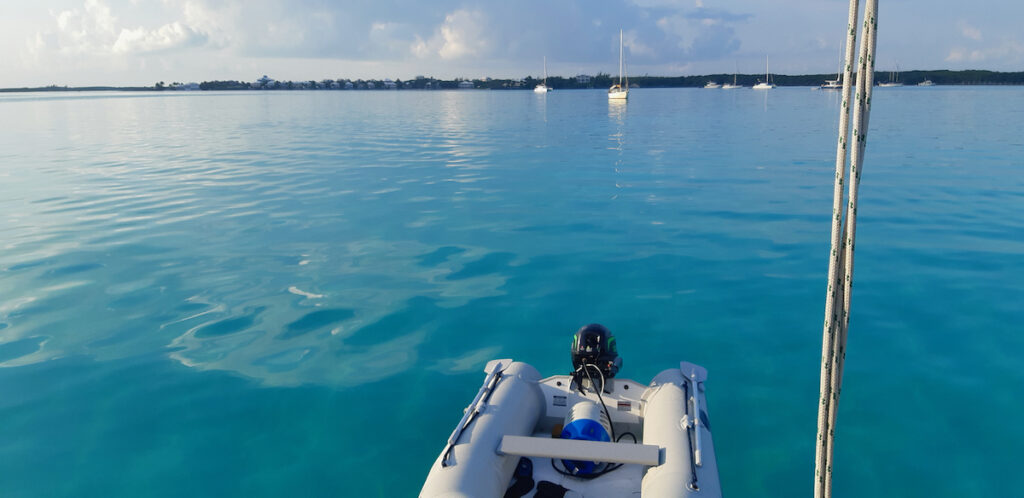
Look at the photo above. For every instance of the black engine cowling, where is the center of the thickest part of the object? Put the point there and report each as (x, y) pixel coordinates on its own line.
(594, 345)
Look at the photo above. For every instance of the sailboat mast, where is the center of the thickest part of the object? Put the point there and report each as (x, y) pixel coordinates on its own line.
(839, 72)
(620, 57)
(545, 70)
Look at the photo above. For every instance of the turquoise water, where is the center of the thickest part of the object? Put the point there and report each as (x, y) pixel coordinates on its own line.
(294, 294)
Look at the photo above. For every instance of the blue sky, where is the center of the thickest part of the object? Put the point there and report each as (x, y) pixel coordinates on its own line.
(139, 42)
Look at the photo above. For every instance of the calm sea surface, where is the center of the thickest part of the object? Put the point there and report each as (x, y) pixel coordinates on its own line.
(294, 293)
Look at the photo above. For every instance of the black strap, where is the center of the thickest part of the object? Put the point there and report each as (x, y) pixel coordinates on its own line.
(522, 479)
(548, 489)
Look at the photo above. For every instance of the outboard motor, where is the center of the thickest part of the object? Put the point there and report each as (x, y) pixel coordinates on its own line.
(594, 346)
(594, 359)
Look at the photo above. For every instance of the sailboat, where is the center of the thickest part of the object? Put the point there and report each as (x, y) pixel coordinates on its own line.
(836, 84)
(733, 85)
(543, 87)
(894, 77)
(766, 84)
(619, 91)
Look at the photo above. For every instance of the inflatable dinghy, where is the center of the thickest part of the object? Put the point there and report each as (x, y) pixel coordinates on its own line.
(584, 434)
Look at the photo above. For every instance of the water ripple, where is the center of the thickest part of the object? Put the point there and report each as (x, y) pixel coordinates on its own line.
(339, 239)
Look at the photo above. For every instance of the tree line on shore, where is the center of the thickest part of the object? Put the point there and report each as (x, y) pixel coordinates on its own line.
(601, 80)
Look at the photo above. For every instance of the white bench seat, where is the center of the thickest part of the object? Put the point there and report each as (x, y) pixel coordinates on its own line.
(573, 449)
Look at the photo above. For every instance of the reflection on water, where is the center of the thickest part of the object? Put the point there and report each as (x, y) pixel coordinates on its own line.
(168, 262)
(237, 247)
(312, 341)
(617, 117)
(617, 110)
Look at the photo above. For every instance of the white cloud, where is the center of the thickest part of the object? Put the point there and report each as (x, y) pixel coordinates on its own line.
(957, 54)
(1009, 50)
(81, 31)
(93, 30)
(420, 48)
(461, 35)
(968, 31)
(218, 24)
(166, 37)
(636, 47)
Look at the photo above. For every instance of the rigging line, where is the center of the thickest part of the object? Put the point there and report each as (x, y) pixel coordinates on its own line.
(865, 77)
(833, 287)
(839, 286)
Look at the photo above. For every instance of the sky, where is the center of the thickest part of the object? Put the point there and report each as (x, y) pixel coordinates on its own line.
(141, 42)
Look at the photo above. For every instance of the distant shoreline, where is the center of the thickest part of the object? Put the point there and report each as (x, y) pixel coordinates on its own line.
(910, 78)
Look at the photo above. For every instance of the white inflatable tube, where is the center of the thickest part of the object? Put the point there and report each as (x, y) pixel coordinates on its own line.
(473, 468)
(670, 422)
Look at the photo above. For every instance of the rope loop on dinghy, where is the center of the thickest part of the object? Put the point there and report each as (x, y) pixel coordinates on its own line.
(840, 271)
(475, 407)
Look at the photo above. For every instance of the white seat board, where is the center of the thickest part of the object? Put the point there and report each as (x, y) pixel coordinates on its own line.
(572, 449)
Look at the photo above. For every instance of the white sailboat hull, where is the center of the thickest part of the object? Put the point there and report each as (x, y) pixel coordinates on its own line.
(766, 84)
(832, 84)
(672, 457)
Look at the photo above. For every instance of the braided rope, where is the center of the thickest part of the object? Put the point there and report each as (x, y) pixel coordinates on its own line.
(841, 256)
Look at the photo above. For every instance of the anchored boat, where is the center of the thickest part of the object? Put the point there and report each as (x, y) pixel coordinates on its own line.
(767, 83)
(543, 86)
(619, 91)
(587, 433)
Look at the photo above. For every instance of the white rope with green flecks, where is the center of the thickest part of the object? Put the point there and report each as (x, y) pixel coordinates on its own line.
(840, 270)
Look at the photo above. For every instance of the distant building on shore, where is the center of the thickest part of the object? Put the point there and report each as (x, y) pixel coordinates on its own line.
(264, 82)
(583, 79)
(465, 85)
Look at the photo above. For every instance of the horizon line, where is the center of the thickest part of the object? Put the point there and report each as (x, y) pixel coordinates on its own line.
(488, 78)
